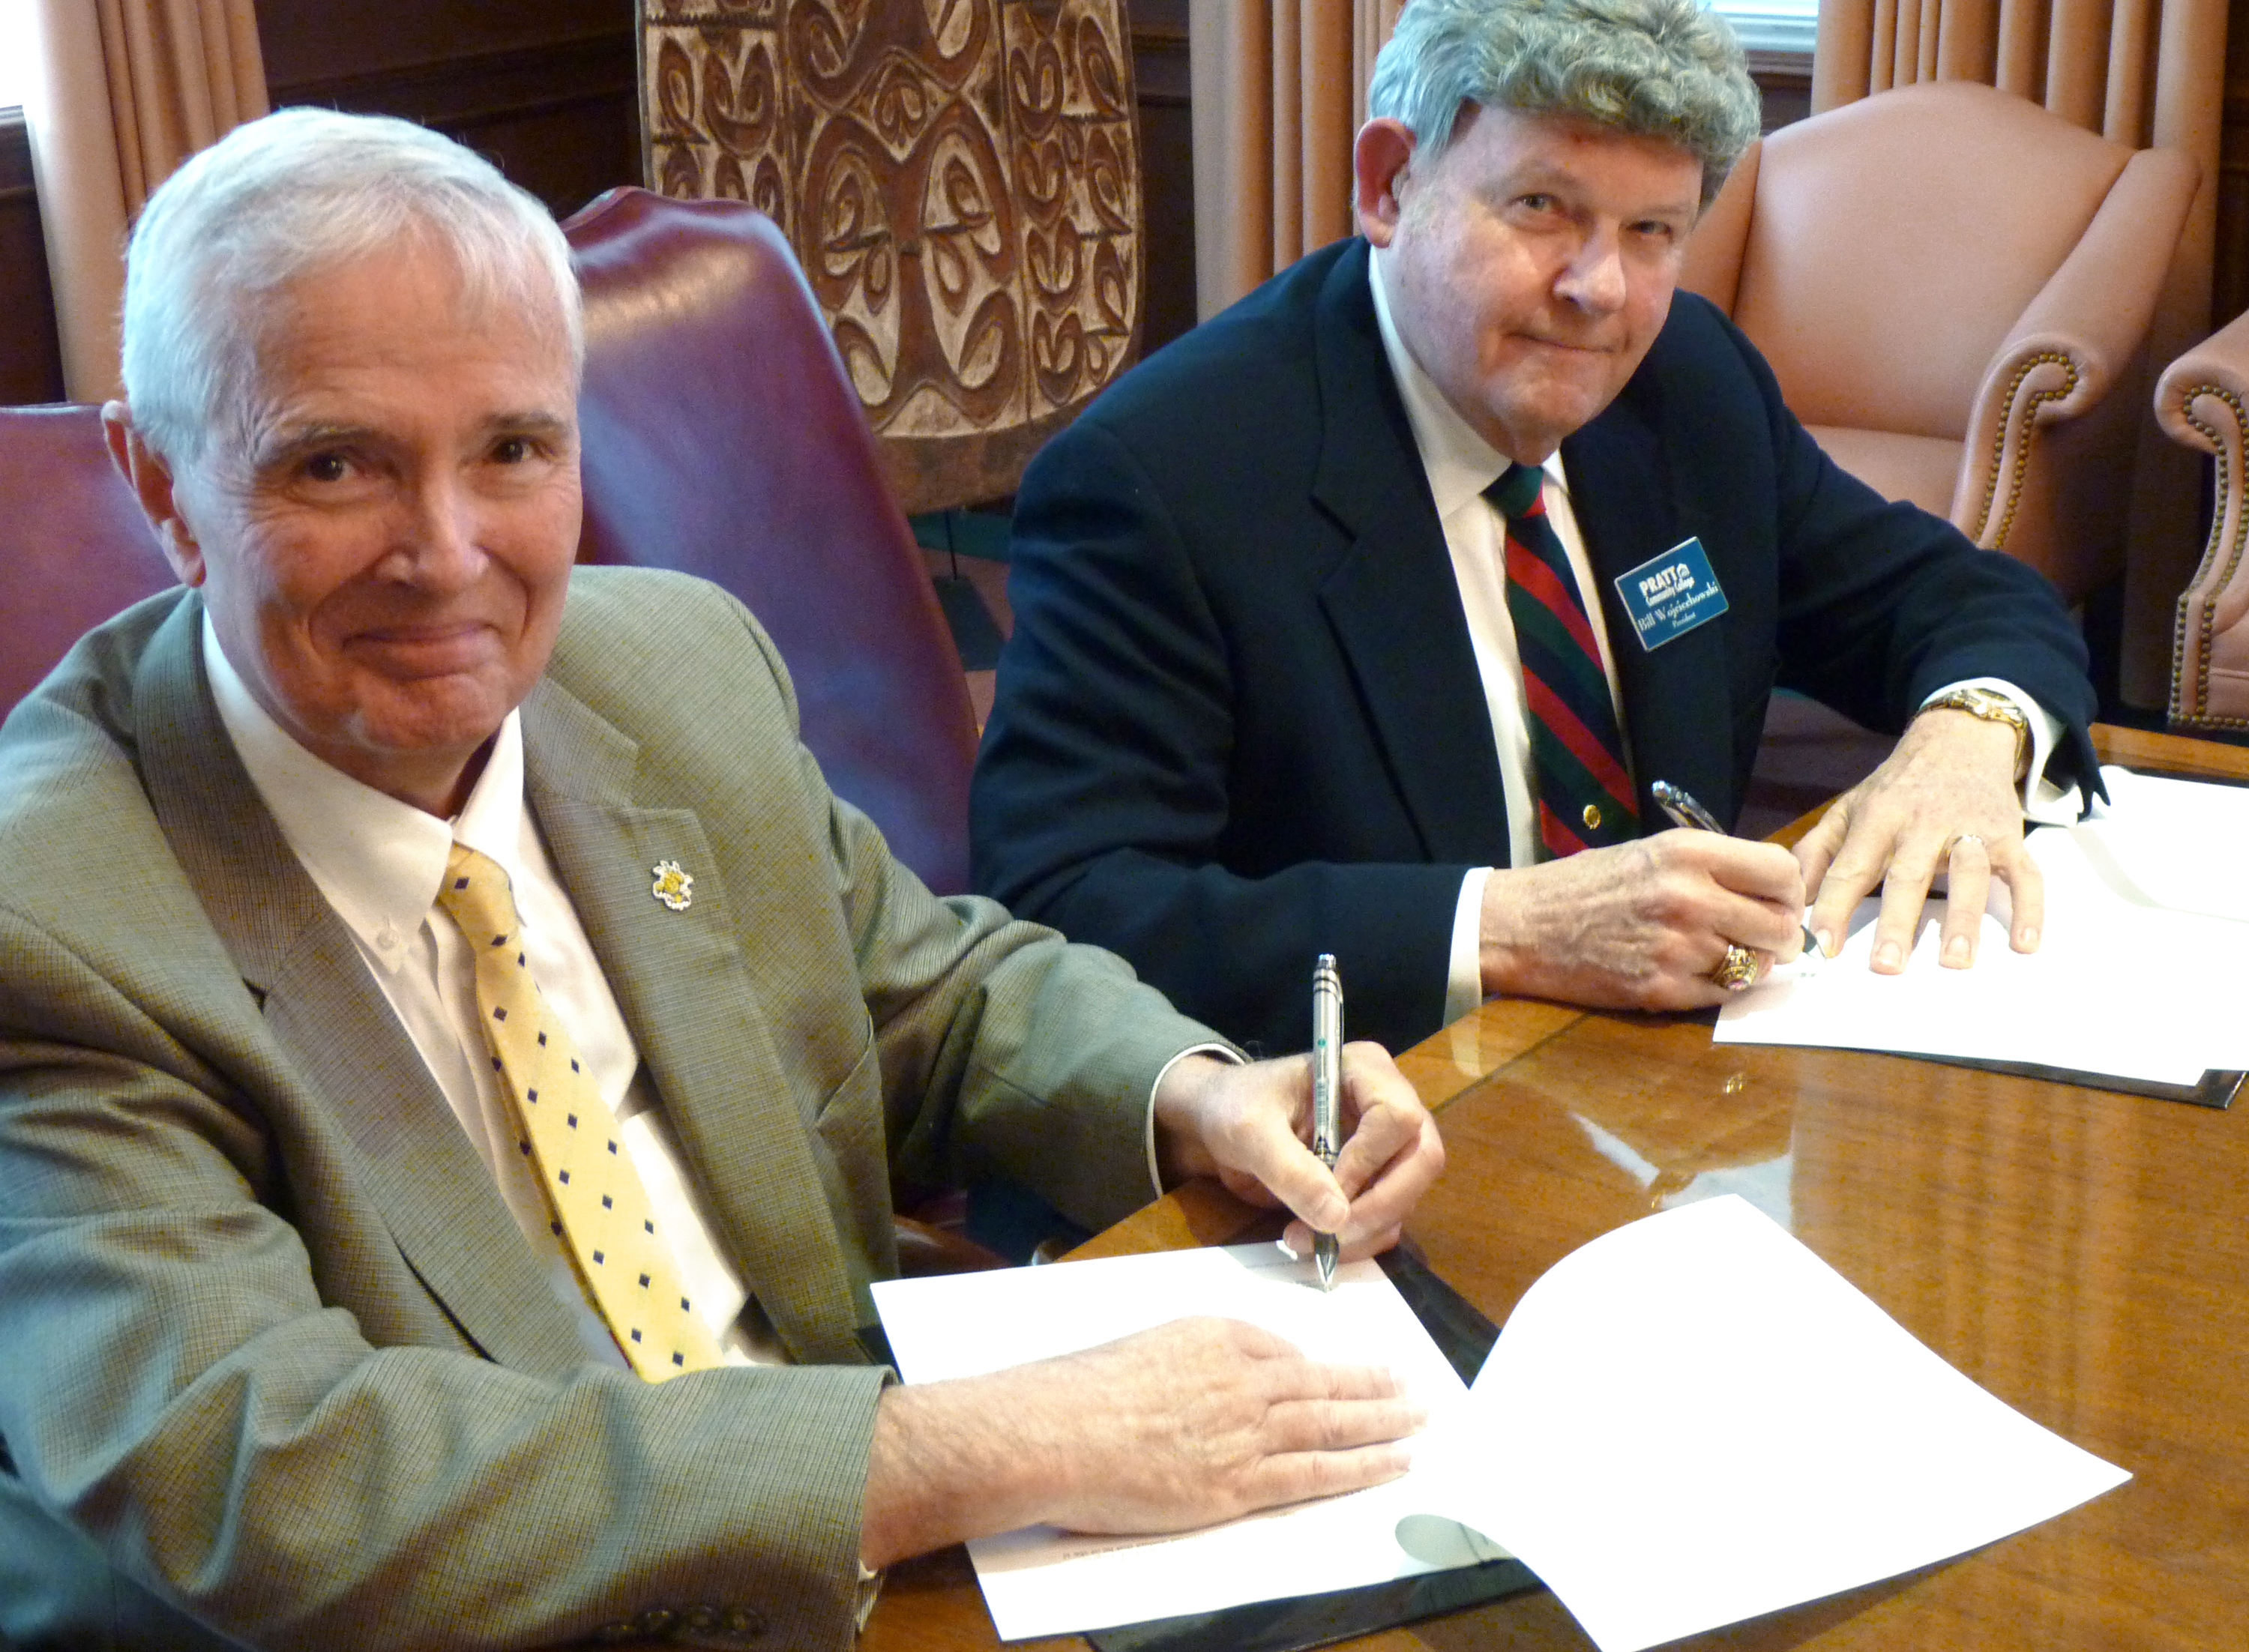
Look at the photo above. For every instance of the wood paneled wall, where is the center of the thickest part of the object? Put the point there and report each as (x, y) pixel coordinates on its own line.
(1159, 74)
(546, 87)
(30, 361)
(1783, 79)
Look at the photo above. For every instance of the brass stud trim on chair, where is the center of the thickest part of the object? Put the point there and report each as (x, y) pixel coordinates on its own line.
(2199, 715)
(2027, 415)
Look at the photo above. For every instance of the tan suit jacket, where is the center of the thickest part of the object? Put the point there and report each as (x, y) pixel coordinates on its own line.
(272, 1352)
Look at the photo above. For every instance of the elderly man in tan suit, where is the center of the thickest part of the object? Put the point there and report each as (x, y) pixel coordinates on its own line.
(319, 1326)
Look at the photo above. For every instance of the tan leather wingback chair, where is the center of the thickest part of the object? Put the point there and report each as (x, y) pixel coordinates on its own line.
(1948, 282)
(2200, 400)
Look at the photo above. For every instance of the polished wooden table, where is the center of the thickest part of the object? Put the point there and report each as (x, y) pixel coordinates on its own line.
(2082, 1254)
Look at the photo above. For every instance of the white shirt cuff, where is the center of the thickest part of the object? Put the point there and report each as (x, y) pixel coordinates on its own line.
(1224, 1053)
(2043, 801)
(1464, 965)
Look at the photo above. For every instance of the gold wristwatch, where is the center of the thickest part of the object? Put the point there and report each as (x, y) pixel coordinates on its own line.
(1993, 707)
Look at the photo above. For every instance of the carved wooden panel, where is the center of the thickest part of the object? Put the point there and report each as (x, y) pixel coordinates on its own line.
(960, 180)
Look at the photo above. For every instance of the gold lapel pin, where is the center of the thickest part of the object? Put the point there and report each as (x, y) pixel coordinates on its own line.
(674, 888)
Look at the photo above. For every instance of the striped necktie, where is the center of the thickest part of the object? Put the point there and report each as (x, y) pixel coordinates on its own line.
(601, 1211)
(1577, 756)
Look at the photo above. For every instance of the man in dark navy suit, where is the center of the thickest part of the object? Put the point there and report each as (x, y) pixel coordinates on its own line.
(1269, 693)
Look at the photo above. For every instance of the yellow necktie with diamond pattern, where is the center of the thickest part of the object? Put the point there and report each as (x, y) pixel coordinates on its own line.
(600, 1212)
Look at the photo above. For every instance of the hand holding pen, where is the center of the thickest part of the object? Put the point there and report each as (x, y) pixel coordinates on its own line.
(1740, 968)
(1250, 1126)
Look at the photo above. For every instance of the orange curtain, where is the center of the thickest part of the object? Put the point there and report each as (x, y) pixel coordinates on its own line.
(122, 92)
(2143, 72)
(1279, 91)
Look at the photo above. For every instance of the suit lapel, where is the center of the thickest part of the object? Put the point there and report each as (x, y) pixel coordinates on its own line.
(1391, 600)
(687, 993)
(331, 1019)
(1678, 717)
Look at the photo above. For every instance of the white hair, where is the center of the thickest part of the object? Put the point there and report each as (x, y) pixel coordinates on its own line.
(282, 198)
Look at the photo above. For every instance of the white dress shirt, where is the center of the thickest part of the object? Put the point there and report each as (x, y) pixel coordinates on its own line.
(1459, 465)
(379, 863)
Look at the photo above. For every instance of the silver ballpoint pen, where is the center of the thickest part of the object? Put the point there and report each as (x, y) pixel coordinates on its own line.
(1327, 1092)
(1680, 805)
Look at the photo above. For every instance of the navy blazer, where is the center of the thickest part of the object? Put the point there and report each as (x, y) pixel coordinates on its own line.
(1239, 721)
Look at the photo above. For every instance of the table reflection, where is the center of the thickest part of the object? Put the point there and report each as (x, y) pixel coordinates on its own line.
(2083, 1255)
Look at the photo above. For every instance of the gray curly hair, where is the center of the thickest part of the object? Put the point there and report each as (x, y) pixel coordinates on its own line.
(1662, 69)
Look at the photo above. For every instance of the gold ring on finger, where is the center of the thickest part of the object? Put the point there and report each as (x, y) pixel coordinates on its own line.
(1738, 970)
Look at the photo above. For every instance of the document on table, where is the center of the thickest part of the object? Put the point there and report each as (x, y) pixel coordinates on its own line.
(2140, 975)
(1694, 1420)
(1042, 1581)
(1689, 1421)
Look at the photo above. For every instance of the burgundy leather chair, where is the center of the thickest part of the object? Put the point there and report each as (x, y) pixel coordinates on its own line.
(723, 439)
(74, 548)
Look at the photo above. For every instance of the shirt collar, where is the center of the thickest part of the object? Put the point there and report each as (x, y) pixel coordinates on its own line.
(377, 860)
(1460, 464)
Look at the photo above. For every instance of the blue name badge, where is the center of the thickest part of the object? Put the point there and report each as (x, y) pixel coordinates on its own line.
(1669, 595)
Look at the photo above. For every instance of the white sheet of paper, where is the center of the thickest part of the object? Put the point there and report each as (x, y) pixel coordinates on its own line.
(1694, 1420)
(1687, 1420)
(2180, 844)
(2127, 981)
(1042, 1581)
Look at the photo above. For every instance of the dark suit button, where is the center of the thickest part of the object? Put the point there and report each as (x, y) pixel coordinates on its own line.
(655, 1621)
(698, 1617)
(739, 1619)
